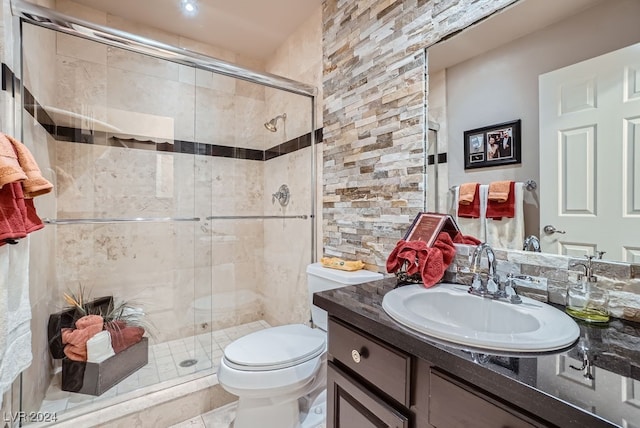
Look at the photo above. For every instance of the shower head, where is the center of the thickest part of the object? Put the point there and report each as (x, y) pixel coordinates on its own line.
(271, 125)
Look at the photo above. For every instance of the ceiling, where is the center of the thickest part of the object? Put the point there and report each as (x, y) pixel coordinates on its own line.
(520, 19)
(253, 28)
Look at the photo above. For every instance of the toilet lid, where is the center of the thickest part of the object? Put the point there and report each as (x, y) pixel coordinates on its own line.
(275, 348)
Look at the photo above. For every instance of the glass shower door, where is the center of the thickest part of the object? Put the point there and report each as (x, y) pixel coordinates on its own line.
(112, 130)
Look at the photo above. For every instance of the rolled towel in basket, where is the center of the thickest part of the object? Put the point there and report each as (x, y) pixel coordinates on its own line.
(75, 340)
(123, 335)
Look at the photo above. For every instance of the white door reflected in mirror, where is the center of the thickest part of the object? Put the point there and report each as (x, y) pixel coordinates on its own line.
(589, 152)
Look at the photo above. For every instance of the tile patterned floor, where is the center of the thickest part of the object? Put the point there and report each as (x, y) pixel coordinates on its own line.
(164, 364)
(221, 417)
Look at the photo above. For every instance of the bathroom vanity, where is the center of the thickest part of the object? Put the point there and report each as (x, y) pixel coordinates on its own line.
(382, 374)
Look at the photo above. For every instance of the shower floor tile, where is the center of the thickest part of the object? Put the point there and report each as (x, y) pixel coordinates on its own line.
(164, 364)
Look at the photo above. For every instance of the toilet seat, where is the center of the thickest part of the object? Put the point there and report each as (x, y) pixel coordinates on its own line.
(275, 348)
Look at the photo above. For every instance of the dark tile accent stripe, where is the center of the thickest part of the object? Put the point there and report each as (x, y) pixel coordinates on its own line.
(7, 78)
(442, 158)
(83, 136)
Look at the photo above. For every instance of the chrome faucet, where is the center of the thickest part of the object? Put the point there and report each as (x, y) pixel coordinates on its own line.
(531, 243)
(490, 286)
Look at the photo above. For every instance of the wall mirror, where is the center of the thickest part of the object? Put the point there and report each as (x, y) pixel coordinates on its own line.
(490, 73)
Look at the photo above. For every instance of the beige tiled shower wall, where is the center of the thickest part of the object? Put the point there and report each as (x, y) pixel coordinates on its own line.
(287, 249)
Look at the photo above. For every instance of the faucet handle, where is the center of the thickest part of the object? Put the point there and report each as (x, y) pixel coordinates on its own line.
(493, 284)
(477, 287)
(510, 290)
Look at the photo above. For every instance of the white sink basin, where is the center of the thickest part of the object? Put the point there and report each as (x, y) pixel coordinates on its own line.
(449, 313)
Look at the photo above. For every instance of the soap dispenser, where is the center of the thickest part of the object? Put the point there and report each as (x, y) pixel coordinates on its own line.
(585, 299)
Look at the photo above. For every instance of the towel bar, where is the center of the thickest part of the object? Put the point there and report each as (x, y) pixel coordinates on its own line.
(117, 220)
(529, 185)
(236, 217)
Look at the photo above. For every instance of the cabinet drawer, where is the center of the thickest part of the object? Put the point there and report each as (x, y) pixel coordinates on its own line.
(350, 405)
(453, 406)
(383, 366)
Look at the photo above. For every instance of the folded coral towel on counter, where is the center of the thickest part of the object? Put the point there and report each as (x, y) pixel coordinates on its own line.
(337, 263)
(472, 209)
(499, 190)
(467, 193)
(496, 210)
(417, 257)
(429, 262)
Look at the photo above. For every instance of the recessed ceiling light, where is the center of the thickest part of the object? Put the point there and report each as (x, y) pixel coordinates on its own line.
(189, 7)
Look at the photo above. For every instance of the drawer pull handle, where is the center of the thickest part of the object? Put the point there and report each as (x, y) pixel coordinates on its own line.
(356, 356)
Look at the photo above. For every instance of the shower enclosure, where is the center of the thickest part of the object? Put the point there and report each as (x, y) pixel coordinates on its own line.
(166, 179)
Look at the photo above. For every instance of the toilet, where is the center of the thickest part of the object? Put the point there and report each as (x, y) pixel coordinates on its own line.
(279, 373)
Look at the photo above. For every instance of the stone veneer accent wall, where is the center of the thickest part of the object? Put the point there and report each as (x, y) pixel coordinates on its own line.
(374, 102)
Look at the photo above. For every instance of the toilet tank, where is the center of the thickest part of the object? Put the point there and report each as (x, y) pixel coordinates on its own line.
(320, 278)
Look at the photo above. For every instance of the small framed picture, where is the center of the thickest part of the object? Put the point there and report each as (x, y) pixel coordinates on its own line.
(492, 145)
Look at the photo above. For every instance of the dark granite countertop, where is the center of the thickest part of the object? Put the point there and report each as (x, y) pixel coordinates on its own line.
(593, 383)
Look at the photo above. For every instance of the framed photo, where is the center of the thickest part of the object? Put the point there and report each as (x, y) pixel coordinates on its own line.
(492, 145)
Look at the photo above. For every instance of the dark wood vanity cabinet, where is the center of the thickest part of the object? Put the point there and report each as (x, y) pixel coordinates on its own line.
(373, 384)
(353, 405)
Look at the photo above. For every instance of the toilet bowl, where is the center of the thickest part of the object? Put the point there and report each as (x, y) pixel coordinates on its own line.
(279, 373)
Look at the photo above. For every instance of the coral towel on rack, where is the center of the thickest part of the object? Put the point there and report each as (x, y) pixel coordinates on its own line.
(469, 209)
(499, 190)
(502, 204)
(20, 180)
(17, 215)
(504, 231)
(35, 184)
(10, 170)
(468, 193)
(469, 225)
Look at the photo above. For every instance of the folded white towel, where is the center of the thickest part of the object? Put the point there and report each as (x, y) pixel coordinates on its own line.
(15, 327)
(508, 233)
(99, 347)
(475, 227)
